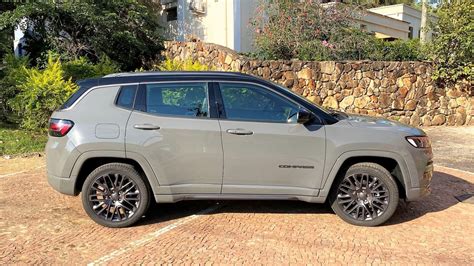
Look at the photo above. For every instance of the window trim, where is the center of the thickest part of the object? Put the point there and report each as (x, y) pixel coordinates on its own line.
(118, 95)
(224, 116)
(119, 85)
(140, 99)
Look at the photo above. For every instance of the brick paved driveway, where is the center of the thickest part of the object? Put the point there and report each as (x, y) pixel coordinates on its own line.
(453, 146)
(39, 225)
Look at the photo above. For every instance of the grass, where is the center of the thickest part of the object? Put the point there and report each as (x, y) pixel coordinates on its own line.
(15, 141)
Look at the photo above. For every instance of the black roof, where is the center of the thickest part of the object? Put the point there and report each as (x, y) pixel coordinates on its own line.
(119, 78)
(178, 73)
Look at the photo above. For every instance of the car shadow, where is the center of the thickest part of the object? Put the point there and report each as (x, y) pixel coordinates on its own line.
(445, 188)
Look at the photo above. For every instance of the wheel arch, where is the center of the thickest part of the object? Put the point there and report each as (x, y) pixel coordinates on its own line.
(89, 161)
(389, 160)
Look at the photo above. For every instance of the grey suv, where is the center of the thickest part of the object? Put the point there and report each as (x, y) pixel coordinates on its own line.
(125, 139)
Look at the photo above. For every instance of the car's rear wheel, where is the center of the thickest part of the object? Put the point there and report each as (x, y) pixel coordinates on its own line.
(115, 195)
(367, 195)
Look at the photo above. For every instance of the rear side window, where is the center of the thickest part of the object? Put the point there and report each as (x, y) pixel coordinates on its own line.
(177, 99)
(126, 96)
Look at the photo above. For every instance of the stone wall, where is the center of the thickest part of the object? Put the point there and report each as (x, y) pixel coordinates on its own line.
(400, 91)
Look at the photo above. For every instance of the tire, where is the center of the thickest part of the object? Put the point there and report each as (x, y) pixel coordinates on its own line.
(362, 205)
(115, 195)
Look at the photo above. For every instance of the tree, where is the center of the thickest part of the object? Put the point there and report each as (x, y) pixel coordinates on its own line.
(126, 31)
(452, 50)
(287, 29)
(6, 34)
(424, 21)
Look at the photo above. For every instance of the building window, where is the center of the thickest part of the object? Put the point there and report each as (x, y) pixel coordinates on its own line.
(410, 32)
(172, 14)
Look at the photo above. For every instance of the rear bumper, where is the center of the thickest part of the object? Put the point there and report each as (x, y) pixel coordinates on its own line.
(61, 184)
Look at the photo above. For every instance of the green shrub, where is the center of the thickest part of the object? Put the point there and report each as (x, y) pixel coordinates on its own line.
(41, 93)
(12, 73)
(452, 50)
(398, 50)
(82, 68)
(307, 30)
(178, 65)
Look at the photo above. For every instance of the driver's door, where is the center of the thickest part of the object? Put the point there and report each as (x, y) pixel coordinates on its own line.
(265, 150)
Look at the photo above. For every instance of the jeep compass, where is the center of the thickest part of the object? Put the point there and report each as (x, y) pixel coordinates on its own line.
(124, 140)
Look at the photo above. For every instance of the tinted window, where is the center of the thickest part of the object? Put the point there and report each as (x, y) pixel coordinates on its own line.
(126, 96)
(253, 103)
(186, 99)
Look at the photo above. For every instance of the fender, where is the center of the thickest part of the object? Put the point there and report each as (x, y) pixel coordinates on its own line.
(150, 175)
(327, 182)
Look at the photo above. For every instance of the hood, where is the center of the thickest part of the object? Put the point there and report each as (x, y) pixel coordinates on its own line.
(383, 124)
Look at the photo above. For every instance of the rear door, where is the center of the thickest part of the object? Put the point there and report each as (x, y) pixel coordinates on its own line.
(172, 128)
(265, 150)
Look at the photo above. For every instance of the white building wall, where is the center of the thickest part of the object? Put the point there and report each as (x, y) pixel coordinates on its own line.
(18, 40)
(247, 33)
(384, 26)
(405, 13)
(225, 22)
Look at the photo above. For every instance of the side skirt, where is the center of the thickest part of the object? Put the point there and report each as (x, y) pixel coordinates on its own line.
(160, 198)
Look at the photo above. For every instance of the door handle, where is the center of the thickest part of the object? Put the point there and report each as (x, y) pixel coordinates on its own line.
(239, 131)
(146, 127)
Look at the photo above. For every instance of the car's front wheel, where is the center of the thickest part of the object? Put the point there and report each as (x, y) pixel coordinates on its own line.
(367, 195)
(115, 195)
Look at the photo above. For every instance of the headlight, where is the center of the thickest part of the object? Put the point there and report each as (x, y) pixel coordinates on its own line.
(419, 141)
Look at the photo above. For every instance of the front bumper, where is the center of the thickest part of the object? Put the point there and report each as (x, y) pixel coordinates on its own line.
(424, 190)
(63, 185)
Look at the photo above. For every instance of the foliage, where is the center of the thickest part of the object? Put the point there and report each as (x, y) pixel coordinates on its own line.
(18, 141)
(287, 29)
(126, 31)
(6, 42)
(81, 68)
(178, 65)
(398, 50)
(6, 35)
(306, 30)
(41, 93)
(12, 74)
(377, 3)
(452, 50)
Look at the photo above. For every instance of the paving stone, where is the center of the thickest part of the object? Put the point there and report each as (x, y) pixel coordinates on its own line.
(41, 226)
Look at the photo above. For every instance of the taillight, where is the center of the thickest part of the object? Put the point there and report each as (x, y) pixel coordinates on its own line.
(59, 127)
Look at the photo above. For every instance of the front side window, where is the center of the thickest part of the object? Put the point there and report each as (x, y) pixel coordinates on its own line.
(180, 99)
(253, 103)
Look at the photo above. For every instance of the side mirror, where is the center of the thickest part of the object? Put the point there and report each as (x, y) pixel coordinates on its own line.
(304, 116)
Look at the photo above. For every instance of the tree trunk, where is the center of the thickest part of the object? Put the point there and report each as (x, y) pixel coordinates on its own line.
(424, 22)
